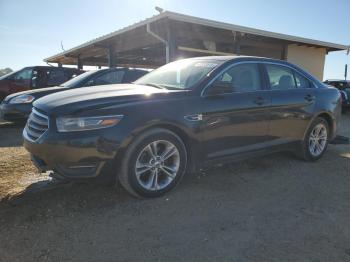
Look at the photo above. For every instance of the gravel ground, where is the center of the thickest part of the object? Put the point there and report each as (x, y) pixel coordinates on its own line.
(275, 208)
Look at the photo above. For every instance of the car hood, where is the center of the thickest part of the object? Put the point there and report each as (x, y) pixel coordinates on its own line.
(95, 97)
(37, 93)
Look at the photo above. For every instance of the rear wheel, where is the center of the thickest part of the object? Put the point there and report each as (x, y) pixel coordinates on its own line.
(153, 164)
(316, 140)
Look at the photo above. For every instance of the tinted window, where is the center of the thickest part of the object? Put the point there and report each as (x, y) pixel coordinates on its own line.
(24, 74)
(78, 80)
(301, 81)
(56, 77)
(133, 75)
(280, 77)
(39, 79)
(113, 77)
(241, 78)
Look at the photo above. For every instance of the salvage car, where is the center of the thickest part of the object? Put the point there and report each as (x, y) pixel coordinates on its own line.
(17, 107)
(35, 77)
(183, 116)
(344, 87)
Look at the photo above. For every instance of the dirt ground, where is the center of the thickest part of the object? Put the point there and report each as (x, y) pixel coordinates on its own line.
(275, 208)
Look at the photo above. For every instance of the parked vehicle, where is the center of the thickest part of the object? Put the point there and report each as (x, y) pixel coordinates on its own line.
(344, 87)
(18, 106)
(180, 117)
(35, 77)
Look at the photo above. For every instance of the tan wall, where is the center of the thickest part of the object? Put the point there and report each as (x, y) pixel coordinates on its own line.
(309, 58)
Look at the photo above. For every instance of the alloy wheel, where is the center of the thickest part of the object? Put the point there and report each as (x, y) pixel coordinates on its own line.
(318, 140)
(157, 165)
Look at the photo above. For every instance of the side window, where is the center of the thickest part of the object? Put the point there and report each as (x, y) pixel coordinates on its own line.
(56, 77)
(280, 77)
(25, 74)
(240, 78)
(114, 77)
(132, 75)
(301, 81)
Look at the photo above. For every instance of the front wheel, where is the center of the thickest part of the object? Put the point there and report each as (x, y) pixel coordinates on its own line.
(316, 140)
(153, 164)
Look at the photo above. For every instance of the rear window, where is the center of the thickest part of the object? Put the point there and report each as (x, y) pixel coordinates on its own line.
(301, 81)
(280, 77)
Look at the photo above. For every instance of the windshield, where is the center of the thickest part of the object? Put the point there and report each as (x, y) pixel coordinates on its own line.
(9, 74)
(182, 74)
(76, 81)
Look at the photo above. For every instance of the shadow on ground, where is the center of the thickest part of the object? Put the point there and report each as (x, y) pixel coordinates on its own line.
(11, 134)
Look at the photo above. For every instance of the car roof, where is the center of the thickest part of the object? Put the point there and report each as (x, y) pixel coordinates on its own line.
(65, 68)
(239, 57)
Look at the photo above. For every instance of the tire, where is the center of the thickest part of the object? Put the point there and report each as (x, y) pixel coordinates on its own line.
(157, 174)
(308, 152)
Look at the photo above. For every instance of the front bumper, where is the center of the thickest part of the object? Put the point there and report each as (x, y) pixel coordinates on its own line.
(15, 112)
(75, 154)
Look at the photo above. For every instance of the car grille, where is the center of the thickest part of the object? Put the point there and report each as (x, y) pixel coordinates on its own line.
(36, 126)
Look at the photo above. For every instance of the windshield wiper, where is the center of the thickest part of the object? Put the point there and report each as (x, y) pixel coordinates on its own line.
(155, 85)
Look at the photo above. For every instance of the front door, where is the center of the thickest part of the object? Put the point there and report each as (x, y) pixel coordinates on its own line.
(21, 81)
(237, 120)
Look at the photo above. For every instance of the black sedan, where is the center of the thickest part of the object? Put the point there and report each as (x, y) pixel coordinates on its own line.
(180, 117)
(17, 107)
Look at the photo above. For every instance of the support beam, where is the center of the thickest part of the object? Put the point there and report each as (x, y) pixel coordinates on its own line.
(237, 42)
(167, 53)
(79, 62)
(111, 58)
(284, 53)
(171, 43)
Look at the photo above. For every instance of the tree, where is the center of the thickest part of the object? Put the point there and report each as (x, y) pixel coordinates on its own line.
(5, 71)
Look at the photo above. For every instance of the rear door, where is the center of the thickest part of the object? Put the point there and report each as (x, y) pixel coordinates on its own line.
(292, 102)
(236, 121)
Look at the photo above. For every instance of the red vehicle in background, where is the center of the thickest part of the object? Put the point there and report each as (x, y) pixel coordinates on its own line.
(35, 77)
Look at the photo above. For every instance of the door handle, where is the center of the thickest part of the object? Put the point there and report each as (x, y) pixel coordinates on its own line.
(259, 101)
(309, 98)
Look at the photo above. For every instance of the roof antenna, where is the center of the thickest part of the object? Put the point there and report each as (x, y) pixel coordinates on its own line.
(159, 9)
(62, 46)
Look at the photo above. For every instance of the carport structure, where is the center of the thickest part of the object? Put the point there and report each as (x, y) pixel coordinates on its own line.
(169, 36)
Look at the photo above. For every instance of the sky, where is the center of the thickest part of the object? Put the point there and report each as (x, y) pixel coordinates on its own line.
(31, 30)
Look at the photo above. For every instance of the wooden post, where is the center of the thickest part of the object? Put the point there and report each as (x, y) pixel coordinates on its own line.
(111, 58)
(171, 44)
(284, 52)
(237, 43)
(79, 63)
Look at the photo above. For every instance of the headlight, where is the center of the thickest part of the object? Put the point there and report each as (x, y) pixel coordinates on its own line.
(22, 99)
(69, 124)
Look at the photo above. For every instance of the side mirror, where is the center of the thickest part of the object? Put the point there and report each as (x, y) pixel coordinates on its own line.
(220, 87)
